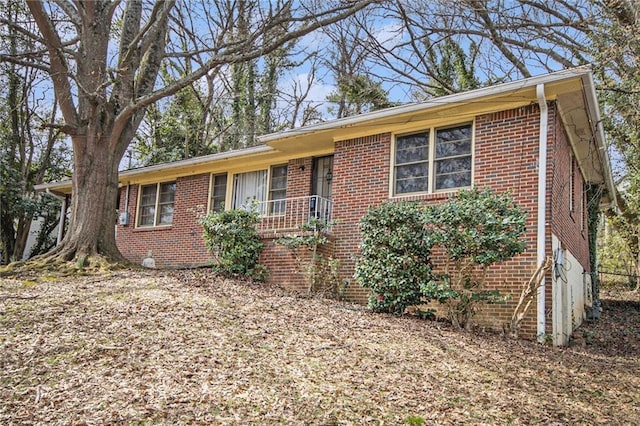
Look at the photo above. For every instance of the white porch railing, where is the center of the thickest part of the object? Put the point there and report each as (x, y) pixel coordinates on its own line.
(291, 213)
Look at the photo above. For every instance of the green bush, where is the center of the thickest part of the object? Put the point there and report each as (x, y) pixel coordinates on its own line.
(395, 256)
(321, 273)
(233, 240)
(475, 230)
(471, 231)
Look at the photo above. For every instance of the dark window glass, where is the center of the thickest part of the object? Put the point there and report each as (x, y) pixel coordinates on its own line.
(412, 163)
(453, 157)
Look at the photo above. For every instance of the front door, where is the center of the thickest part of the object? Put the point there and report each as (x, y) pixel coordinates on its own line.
(322, 176)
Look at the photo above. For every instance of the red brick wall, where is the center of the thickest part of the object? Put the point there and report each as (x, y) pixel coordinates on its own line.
(299, 177)
(505, 159)
(569, 226)
(177, 245)
(360, 180)
(284, 267)
(288, 267)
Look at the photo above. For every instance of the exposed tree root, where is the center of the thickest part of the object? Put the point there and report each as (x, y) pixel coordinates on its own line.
(57, 264)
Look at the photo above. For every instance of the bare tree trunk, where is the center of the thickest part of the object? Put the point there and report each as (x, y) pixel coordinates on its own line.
(93, 206)
(22, 234)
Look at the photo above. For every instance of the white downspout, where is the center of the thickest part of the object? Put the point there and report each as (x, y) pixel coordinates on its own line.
(542, 206)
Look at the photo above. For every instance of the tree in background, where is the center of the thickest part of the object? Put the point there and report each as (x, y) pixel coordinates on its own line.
(229, 107)
(357, 90)
(106, 75)
(29, 154)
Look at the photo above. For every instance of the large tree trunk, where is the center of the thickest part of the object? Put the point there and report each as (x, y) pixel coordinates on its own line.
(93, 204)
(636, 268)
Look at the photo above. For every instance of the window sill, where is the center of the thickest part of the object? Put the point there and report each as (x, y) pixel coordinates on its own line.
(152, 228)
(424, 196)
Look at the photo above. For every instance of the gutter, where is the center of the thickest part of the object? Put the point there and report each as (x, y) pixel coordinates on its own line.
(197, 160)
(542, 207)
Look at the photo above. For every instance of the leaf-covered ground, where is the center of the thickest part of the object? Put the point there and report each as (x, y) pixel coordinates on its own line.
(189, 348)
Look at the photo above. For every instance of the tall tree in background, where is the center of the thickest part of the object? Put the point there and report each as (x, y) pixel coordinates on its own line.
(478, 42)
(104, 80)
(29, 155)
(616, 41)
(346, 58)
(237, 103)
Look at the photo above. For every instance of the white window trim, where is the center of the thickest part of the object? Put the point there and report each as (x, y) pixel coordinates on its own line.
(156, 206)
(228, 189)
(270, 190)
(432, 151)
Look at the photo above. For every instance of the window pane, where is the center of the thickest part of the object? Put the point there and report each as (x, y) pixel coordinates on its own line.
(453, 154)
(218, 205)
(412, 170)
(454, 180)
(451, 165)
(410, 185)
(278, 189)
(166, 214)
(249, 188)
(450, 149)
(147, 212)
(146, 215)
(167, 192)
(412, 148)
(219, 193)
(454, 134)
(279, 178)
(412, 163)
(412, 141)
(148, 197)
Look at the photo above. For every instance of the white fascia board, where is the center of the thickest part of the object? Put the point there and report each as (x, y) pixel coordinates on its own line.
(197, 160)
(599, 136)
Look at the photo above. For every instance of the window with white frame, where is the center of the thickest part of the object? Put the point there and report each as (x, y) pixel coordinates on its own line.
(156, 204)
(453, 157)
(277, 190)
(411, 172)
(433, 160)
(249, 190)
(218, 192)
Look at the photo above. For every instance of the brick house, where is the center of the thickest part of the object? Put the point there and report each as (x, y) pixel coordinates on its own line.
(540, 138)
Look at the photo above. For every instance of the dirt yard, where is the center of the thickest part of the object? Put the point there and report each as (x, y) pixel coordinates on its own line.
(189, 348)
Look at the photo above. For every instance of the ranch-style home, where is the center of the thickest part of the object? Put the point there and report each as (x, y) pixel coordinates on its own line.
(540, 138)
